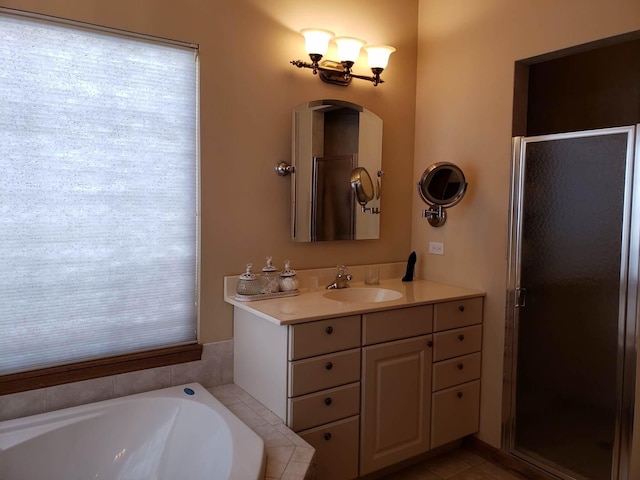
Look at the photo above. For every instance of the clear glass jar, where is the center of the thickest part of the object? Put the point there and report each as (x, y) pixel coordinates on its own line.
(270, 278)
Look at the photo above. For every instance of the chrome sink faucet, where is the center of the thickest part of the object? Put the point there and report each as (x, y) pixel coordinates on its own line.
(342, 277)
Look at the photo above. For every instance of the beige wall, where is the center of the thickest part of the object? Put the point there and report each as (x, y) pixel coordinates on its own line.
(248, 90)
(466, 56)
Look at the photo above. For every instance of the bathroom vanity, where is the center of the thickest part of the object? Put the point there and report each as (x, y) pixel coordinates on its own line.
(368, 383)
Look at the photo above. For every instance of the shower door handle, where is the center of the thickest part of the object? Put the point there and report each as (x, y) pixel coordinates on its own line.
(521, 297)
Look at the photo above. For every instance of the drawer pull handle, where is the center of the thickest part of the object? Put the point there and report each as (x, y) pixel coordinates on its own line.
(430, 343)
(461, 308)
(328, 365)
(460, 366)
(461, 337)
(329, 330)
(459, 394)
(328, 401)
(327, 436)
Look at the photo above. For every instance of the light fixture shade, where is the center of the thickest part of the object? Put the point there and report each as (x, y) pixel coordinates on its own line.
(379, 55)
(348, 48)
(316, 40)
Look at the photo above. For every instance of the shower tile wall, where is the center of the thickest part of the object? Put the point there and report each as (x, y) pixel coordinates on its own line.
(215, 368)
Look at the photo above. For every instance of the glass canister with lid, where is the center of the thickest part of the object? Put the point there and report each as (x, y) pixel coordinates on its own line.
(288, 281)
(270, 283)
(248, 283)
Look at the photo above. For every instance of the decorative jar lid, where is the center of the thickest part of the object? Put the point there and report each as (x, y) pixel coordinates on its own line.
(269, 268)
(248, 275)
(287, 272)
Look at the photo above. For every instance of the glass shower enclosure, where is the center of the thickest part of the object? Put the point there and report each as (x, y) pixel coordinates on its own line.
(572, 302)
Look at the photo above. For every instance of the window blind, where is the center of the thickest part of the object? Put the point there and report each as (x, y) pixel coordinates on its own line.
(98, 194)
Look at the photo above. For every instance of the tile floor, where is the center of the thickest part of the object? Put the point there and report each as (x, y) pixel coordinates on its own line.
(458, 464)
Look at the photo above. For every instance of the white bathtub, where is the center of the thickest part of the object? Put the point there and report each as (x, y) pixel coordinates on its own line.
(171, 434)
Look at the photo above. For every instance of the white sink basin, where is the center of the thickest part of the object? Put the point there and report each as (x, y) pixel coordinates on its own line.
(363, 295)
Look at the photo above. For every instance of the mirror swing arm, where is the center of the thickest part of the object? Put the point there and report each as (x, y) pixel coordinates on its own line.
(372, 210)
(436, 215)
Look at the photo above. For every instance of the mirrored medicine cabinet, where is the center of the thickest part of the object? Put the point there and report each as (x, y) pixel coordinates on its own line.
(336, 172)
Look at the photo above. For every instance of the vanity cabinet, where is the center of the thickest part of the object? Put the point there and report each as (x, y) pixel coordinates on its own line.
(370, 389)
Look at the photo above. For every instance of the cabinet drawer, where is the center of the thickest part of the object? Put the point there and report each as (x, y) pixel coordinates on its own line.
(324, 336)
(455, 413)
(456, 371)
(322, 407)
(336, 447)
(458, 313)
(454, 343)
(317, 373)
(389, 325)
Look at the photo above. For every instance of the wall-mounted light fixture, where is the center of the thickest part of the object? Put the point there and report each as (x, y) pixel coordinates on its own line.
(339, 72)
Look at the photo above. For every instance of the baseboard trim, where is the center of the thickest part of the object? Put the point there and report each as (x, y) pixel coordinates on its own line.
(396, 467)
(505, 460)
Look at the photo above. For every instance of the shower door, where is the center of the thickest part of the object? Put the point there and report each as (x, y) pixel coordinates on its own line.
(572, 279)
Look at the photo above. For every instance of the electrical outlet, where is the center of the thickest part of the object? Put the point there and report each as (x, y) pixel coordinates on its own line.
(436, 248)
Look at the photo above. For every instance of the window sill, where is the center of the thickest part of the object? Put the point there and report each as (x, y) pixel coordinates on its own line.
(76, 372)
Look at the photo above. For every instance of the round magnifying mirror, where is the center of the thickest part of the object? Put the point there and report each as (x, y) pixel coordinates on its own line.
(442, 184)
(362, 185)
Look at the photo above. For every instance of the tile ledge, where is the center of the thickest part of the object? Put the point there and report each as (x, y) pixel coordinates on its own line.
(231, 394)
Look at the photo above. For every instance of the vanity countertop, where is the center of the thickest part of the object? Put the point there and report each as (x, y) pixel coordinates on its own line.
(313, 305)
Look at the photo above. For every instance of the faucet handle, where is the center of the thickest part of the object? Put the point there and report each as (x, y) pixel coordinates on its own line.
(341, 278)
(342, 273)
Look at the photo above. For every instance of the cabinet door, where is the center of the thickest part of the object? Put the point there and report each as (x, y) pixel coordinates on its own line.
(396, 402)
